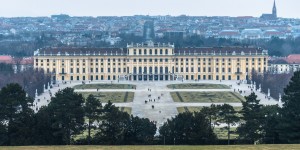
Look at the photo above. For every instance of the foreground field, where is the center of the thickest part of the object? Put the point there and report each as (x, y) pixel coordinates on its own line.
(197, 86)
(207, 97)
(114, 97)
(105, 86)
(219, 147)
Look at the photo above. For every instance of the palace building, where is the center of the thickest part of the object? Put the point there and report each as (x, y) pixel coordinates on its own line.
(151, 62)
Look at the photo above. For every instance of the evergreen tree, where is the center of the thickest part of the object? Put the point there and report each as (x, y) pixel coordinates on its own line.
(211, 113)
(15, 116)
(290, 123)
(113, 126)
(251, 126)
(270, 124)
(187, 128)
(93, 110)
(140, 131)
(67, 111)
(227, 115)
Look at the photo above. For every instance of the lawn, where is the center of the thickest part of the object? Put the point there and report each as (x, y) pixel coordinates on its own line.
(207, 97)
(157, 147)
(197, 86)
(222, 133)
(194, 109)
(126, 109)
(105, 86)
(114, 97)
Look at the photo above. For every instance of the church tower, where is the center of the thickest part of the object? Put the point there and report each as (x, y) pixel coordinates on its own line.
(274, 11)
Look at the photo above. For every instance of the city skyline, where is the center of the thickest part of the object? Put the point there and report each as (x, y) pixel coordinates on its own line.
(34, 8)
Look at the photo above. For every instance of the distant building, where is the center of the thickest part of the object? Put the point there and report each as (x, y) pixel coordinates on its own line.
(285, 65)
(151, 62)
(272, 16)
(252, 34)
(18, 64)
(148, 33)
(179, 35)
(230, 34)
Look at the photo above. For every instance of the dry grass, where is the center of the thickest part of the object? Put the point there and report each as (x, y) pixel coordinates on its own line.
(207, 97)
(197, 86)
(158, 147)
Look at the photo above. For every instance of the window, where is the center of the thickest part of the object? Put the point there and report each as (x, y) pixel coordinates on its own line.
(77, 70)
(161, 51)
(166, 60)
(155, 51)
(187, 69)
(229, 70)
(92, 70)
(83, 70)
(145, 52)
(140, 51)
(96, 70)
(134, 52)
(150, 51)
(166, 51)
(71, 70)
(108, 69)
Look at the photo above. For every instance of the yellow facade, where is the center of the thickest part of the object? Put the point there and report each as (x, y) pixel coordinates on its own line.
(151, 62)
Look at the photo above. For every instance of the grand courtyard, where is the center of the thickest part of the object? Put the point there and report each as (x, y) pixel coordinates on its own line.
(160, 100)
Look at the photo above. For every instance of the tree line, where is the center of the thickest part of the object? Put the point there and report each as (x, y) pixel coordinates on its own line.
(71, 119)
(67, 116)
(30, 79)
(19, 48)
(269, 81)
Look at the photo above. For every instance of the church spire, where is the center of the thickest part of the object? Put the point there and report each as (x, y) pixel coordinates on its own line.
(274, 11)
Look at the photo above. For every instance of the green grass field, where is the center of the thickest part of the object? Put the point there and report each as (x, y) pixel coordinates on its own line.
(105, 86)
(197, 86)
(114, 97)
(158, 147)
(207, 97)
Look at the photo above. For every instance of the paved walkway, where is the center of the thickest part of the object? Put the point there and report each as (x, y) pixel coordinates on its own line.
(162, 109)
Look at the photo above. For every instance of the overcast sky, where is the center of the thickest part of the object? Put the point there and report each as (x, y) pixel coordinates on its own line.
(14, 8)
